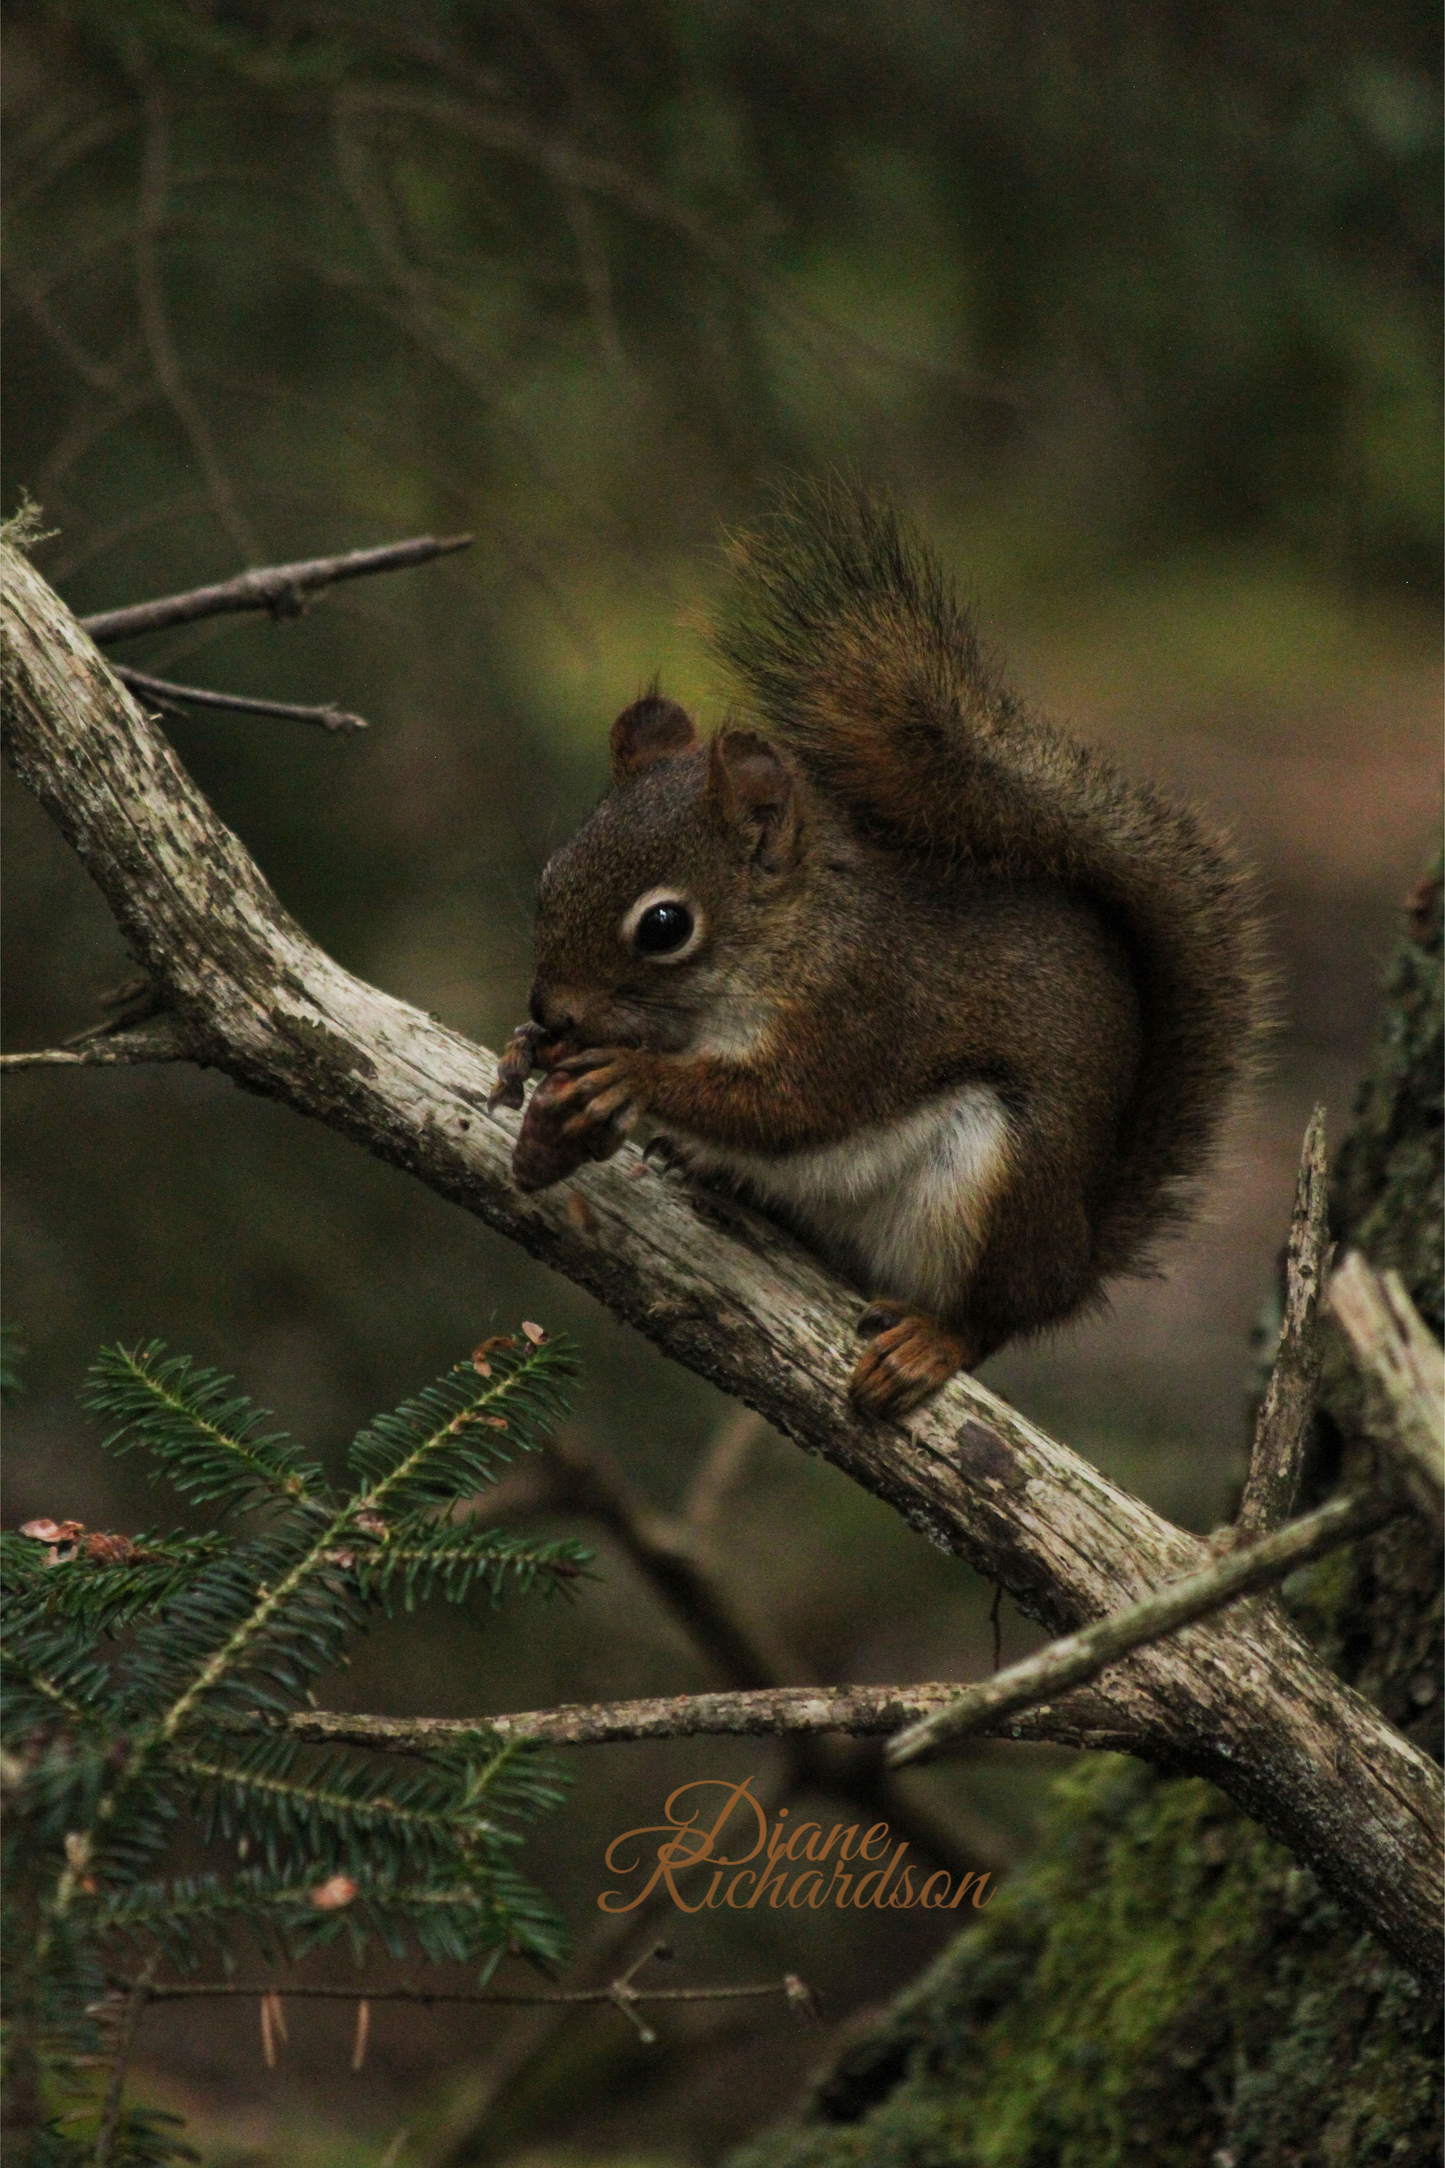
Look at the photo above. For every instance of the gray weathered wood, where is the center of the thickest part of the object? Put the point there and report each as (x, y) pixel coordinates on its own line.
(1400, 1361)
(1240, 1698)
(1283, 1428)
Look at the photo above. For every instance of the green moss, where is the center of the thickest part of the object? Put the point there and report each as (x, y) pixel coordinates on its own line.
(1166, 1986)
(1388, 1187)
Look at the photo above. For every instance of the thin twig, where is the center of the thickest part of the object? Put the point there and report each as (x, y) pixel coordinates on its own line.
(135, 1001)
(1282, 1431)
(596, 282)
(194, 696)
(1404, 1372)
(520, 2044)
(139, 1995)
(160, 1041)
(767, 1712)
(99, 375)
(187, 1991)
(281, 589)
(450, 335)
(1076, 1658)
(504, 131)
(623, 1994)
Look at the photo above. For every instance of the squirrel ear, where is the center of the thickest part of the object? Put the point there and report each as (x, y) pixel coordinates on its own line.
(653, 728)
(754, 787)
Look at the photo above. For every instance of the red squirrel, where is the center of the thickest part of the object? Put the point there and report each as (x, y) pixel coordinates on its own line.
(894, 957)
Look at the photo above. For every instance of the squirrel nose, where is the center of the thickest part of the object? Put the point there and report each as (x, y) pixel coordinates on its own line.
(550, 1011)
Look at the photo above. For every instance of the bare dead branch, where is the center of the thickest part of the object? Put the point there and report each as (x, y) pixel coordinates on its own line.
(667, 1553)
(191, 1991)
(1240, 1699)
(1282, 1430)
(794, 1712)
(936, 1713)
(1404, 1372)
(158, 1041)
(281, 589)
(195, 696)
(1082, 1656)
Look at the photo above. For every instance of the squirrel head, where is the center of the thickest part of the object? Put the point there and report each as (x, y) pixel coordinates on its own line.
(643, 916)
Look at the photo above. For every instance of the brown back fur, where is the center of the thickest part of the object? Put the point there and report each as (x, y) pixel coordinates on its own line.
(849, 648)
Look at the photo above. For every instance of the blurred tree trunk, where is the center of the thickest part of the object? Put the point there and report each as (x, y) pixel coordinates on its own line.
(1166, 1985)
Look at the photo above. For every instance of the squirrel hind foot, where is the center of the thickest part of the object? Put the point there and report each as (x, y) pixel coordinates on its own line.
(908, 1358)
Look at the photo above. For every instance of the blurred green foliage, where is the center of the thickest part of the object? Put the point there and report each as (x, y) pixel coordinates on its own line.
(504, 253)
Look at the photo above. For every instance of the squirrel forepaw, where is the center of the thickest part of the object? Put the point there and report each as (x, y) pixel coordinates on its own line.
(582, 1110)
(602, 1087)
(908, 1357)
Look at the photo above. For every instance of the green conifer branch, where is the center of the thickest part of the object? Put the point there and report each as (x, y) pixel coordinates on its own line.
(404, 1476)
(447, 1560)
(104, 1749)
(348, 1799)
(102, 1598)
(75, 1710)
(204, 1440)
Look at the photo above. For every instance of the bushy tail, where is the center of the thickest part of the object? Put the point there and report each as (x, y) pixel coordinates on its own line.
(849, 647)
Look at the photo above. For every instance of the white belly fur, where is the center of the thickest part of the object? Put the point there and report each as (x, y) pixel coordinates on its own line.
(903, 1209)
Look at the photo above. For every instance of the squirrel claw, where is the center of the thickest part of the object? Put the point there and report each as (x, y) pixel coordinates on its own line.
(878, 1317)
(908, 1358)
(593, 1089)
(519, 1058)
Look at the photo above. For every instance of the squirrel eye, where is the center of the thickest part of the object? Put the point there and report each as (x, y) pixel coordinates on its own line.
(663, 928)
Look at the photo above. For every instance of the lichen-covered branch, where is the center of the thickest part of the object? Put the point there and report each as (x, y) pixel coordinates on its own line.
(778, 1712)
(1240, 1698)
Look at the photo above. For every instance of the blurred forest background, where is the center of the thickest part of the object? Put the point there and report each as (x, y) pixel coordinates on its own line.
(1136, 307)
